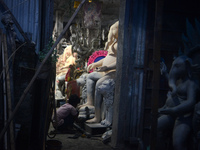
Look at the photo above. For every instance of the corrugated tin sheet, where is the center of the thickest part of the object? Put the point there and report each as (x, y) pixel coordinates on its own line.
(28, 13)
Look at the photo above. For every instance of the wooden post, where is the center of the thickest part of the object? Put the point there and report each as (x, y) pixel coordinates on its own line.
(4, 93)
(156, 71)
(8, 89)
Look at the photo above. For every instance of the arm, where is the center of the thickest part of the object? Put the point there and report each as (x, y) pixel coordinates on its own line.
(106, 68)
(76, 116)
(74, 113)
(66, 66)
(70, 61)
(187, 105)
(95, 65)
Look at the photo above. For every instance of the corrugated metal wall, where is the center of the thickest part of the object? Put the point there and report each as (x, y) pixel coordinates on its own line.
(130, 71)
(28, 14)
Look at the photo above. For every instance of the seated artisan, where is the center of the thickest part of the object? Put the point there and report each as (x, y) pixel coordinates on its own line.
(66, 114)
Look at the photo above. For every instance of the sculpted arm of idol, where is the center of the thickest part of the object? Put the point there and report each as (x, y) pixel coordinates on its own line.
(106, 68)
(95, 65)
(187, 105)
(113, 64)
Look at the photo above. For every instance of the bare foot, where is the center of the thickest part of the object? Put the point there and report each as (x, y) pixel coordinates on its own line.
(85, 108)
(86, 104)
(106, 123)
(94, 120)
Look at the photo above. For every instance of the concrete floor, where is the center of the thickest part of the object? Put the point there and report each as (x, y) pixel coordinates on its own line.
(80, 143)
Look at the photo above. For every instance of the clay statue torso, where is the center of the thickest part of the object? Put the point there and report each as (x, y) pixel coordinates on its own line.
(182, 90)
(171, 102)
(105, 69)
(181, 94)
(111, 56)
(108, 60)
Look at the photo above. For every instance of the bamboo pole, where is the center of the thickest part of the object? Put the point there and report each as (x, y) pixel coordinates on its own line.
(38, 70)
(8, 89)
(4, 93)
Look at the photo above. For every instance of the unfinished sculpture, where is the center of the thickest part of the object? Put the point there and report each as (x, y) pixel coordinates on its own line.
(62, 66)
(96, 56)
(63, 61)
(84, 112)
(177, 113)
(106, 70)
(81, 81)
(86, 34)
(107, 90)
(85, 42)
(92, 15)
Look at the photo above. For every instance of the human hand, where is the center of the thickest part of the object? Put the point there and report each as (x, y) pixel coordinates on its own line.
(62, 68)
(90, 67)
(102, 69)
(167, 111)
(174, 93)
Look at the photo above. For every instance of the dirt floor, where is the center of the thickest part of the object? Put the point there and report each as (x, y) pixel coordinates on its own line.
(79, 141)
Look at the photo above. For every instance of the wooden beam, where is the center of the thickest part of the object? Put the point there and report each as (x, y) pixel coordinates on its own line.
(156, 72)
(4, 88)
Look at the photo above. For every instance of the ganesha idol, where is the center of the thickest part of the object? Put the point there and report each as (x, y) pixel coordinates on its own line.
(103, 70)
(62, 67)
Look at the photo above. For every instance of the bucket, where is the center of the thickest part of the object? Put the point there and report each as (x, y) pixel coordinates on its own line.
(53, 145)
